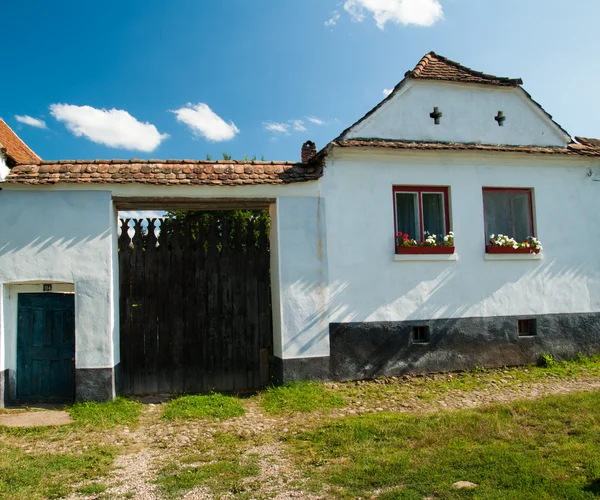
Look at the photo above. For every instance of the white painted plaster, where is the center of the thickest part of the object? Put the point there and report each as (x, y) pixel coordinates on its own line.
(275, 280)
(425, 257)
(262, 191)
(302, 278)
(366, 284)
(4, 170)
(65, 237)
(468, 116)
(518, 256)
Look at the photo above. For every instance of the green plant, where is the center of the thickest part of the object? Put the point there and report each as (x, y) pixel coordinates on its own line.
(302, 397)
(227, 156)
(214, 406)
(547, 361)
(547, 448)
(121, 411)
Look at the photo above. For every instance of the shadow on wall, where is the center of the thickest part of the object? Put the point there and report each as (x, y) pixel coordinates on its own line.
(36, 222)
(447, 292)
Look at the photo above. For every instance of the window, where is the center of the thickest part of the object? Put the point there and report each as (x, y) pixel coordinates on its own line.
(508, 212)
(420, 334)
(420, 210)
(527, 327)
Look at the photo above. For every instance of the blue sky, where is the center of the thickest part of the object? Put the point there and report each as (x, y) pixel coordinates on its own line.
(187, 78)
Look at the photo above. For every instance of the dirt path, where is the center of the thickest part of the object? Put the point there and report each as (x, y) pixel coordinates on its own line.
(156, 442)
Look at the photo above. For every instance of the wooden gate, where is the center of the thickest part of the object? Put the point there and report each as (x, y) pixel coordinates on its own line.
(195, 305)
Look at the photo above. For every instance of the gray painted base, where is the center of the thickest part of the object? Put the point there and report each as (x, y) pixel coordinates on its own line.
(4, 393)
(94, 384)
(369, 350)
(290, 370)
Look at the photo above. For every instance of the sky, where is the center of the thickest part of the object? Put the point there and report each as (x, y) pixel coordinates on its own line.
(191, 78)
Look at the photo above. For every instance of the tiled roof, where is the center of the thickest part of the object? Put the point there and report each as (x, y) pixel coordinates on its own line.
(588, 142)
(571, 149)
(436, 67)
(161, 172)
(14, 147)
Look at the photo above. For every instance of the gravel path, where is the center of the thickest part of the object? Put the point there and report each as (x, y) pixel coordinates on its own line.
(156, 442)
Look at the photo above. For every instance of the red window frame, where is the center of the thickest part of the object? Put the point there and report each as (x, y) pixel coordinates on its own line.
(528, 191)
(419, 190)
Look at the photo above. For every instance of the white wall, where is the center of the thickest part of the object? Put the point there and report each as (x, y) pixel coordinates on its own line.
(366, 284)
(468, 116)
(63, 237)
(4, 170)
(300, 279)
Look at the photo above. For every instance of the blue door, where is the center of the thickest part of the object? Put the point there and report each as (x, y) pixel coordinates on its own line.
(46, 347)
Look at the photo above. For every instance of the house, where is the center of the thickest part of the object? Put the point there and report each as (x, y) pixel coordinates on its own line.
(449, 150)
(13, 151)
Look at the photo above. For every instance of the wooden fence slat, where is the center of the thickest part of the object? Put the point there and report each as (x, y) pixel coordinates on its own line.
(151, 312)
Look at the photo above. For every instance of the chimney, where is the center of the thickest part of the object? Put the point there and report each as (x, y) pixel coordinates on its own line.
(309, 150)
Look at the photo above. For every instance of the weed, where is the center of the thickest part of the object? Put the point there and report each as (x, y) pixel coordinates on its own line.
(547, 361)
(205, 406)
(302, 397)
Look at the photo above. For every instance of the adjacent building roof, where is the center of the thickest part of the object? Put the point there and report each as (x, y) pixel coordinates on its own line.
(14, 148)
(577, 149)
(589, 143)
(165, 172)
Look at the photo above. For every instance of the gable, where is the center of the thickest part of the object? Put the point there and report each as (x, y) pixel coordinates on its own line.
(468, 112)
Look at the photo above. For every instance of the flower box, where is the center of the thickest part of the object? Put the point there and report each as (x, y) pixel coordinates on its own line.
(437, 250)
(507, 249)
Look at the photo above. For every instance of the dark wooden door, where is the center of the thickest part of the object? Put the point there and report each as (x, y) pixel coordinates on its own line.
(46, 347)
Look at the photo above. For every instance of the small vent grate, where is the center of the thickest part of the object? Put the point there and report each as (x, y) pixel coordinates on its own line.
(420, 334)
(527, 327)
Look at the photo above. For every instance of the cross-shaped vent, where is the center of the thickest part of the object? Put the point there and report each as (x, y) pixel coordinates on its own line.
(500, 118)
(436, 115)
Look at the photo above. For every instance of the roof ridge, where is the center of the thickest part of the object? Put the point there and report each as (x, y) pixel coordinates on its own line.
(430, 57)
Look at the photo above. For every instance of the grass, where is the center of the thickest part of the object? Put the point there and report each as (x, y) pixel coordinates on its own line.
(429, 387)
(548, 448)
(43, 475)
(211, 406)
(304, 397)
(92, 489)
(220, 477)
(121, 411)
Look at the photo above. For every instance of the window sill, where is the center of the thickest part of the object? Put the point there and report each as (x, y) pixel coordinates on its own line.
(423, 257)
(514, 256)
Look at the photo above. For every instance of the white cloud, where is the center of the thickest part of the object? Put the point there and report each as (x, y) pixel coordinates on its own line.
(315, 120)
(298, 125)
(387, 92)
(277, 127)
(205, 122)
(31, 121)
(333, 20)
(115, 128)
(419, 12)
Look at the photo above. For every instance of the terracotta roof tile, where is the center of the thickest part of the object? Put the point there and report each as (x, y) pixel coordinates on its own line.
(589, 142)
(199, 172)
(435, 67)
(572, 149)
(14, 147)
